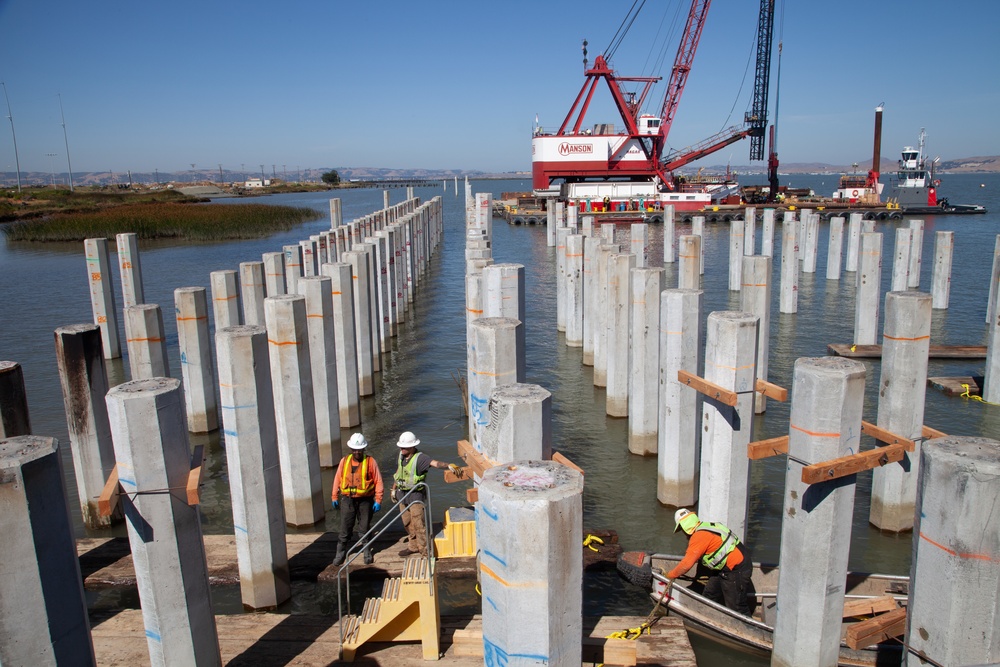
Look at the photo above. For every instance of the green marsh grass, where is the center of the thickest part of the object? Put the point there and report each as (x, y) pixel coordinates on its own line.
(163, 220)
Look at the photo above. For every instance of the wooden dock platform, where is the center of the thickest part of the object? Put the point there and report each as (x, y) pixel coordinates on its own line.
(954, 386)
(935, 352)
(259, 640)
(106, 562)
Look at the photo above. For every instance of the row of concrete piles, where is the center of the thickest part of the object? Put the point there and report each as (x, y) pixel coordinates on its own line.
(708, 462)
(529, 511)
(352, 288)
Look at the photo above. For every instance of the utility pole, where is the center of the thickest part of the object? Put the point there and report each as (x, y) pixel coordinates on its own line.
(52, 173)
(10, 117)
(274, 173)
(262, 177)
(69, 164)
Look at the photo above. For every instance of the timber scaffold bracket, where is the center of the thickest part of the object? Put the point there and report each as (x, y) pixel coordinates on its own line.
(110, 496)
(894, 449)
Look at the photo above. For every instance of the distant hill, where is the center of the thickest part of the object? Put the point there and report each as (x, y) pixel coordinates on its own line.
(967, 165)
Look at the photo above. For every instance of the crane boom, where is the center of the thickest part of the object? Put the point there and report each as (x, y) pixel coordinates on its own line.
(682, 65)
(757, 118)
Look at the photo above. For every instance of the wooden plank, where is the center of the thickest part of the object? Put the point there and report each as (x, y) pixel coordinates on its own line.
(475, 460)
(771, 390)
(763, 449)
(934, 352)
(869, 606)
(194, 477)
(702, 386)
(108, 501)
(929, 432)
(848, 465)
(888, 437)
(957, 386)
(451, 477)
(472, 495)
(878, 629)
(560, 458)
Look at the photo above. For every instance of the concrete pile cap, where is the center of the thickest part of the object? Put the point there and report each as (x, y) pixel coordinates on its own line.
(151, 386)
(532, 479)
(18, 451)
(68, 329)
(975, 454)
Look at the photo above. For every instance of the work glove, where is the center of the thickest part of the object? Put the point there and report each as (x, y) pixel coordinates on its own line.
(336, 504)
(376, 507)
(392, 494)
(455, 469)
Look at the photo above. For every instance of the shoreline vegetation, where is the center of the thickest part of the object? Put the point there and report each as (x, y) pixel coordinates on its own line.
(60, 216)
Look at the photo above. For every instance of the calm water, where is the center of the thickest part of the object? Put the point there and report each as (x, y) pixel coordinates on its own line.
(45, 287)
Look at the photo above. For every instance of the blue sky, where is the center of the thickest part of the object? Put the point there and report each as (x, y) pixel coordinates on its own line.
(456, 85)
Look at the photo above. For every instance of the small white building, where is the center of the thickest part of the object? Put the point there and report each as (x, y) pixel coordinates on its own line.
(257, 183)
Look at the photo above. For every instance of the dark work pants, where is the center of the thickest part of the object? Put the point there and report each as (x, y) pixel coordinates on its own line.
(731, 587)
(354, 510)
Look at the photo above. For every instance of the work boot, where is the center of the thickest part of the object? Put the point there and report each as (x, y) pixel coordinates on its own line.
(339, 558)
(369, 557)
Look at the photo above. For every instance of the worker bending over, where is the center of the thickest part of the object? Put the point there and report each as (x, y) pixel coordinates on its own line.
(721, 556)
(358, 485)
(411, 470)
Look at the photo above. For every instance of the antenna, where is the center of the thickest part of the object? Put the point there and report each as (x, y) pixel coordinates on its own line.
(10, 117)
(66, 138)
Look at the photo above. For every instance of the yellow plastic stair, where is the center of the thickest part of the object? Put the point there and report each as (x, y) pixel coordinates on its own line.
(458, 535)
(406, 611)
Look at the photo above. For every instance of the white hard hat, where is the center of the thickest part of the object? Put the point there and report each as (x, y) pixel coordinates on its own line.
(357, 441)
(686, 520)
(407, 440)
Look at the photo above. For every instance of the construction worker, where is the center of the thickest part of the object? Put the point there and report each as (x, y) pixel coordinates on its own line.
(411, 470)
(358, 485)
(721, 556)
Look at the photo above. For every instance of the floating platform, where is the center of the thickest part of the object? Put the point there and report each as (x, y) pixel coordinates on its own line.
(256, 640)
(107, 562)
(935, 352)
(956, 386)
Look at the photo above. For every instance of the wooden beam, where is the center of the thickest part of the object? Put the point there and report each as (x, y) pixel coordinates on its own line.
(472, 495)
(848, 465)
(763, 449)
(771, 390)
(929, 432)
(451, 477)
(869, 606)
(559, 458)
(702, 386)
(878, 629)
(888, 437)
(475, 460)
(194, 477)
(108, 501)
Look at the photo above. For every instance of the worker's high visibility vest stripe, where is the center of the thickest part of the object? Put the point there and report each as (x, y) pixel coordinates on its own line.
(407, 477)
(717, 558)
(350, 485)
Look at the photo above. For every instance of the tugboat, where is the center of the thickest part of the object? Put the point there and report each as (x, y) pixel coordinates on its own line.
(914, 188)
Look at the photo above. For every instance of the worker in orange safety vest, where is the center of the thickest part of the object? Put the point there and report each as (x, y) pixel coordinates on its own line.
(358, 486)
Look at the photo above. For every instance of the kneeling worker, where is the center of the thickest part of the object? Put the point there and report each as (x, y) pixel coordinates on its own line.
(358, 485)
(411, 469)
(719, 552)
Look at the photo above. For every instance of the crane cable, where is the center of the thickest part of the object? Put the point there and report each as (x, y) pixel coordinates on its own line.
(626, 25)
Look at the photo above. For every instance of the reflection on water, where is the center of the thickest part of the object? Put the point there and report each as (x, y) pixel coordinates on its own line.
(45, 287)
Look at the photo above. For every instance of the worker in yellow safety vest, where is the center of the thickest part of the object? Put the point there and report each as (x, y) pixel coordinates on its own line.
(411, 470)
(719, 554)
(358, 486)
